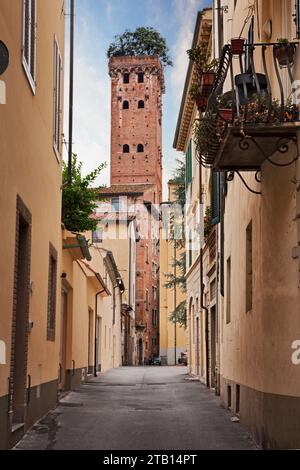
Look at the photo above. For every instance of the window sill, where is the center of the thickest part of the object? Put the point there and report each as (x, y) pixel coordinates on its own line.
(29, 77)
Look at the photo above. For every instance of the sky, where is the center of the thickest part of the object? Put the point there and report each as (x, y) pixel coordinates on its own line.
(96, 24)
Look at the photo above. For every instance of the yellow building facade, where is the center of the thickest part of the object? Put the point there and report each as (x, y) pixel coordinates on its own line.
(30, 209)
(172, 337)
(244, 344)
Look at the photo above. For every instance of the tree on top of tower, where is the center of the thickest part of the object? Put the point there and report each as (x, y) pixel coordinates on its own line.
(142, 41)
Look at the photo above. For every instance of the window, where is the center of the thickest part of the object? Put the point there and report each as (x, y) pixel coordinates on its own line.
(141, 104)
(140, 148)
(228, 291)
(29, 41)
(140, 77)
(57, 99)
(215, 201)
(249, 280)
(189, 169)
(116, 204)
(126, 78)
(51, 293)
(147, 299)
(153, 270)
(97, 235)
(126, 148)
(125, 104)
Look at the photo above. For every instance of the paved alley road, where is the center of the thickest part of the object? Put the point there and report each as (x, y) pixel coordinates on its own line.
(139, 408)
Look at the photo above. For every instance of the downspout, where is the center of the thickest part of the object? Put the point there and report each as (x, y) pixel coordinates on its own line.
(95, 333)
(71, 93)
(175, 305)
(203, 307)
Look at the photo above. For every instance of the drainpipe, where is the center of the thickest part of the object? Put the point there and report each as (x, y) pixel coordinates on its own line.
(203, 307)
(71, 93)
(175, 304)
(95, 333)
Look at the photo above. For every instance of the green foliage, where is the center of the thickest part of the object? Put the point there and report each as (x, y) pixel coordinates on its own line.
(199, 55)
(179, 315)
(207, 223)
(78, 198)
(142, 41)
(177, 279)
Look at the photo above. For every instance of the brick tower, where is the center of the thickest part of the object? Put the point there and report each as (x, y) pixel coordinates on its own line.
(136, 117)
(137, 85)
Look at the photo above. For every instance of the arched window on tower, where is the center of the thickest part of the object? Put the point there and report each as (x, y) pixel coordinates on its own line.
(125, 104)
(126, 78)
(140, 77)
(140, 148)
(125, 148)
(141, 104)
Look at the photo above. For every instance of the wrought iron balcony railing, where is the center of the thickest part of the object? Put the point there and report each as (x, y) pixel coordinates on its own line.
(257, 116)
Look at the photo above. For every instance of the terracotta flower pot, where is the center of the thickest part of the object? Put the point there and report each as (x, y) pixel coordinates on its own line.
(207, 83)
(225, 114)
(283, 53)
(201, 102)
(237, 46)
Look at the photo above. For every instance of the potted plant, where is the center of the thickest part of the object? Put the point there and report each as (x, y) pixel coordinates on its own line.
(291, 112)
(207, 134)
(225, 108)
(205, 71)
(201, 101)
(257, 111)
(237, 44)
(284, 52)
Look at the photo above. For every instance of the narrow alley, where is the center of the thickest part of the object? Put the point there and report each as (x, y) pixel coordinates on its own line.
(138, 408)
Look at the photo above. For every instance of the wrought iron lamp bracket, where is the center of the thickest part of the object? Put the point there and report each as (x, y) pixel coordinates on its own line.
(230, 177)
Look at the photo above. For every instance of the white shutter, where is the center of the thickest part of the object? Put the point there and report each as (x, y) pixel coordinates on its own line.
(29, 41)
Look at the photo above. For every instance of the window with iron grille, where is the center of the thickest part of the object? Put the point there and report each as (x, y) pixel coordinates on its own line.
(29, 41)
(57, 99)
(189, 166)
(52, 279)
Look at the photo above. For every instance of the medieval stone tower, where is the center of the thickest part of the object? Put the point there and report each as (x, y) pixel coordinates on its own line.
(136, 118)
(137, 85)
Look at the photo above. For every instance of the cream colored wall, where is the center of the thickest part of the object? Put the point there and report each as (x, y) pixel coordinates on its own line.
(33, 172)
(256, 346)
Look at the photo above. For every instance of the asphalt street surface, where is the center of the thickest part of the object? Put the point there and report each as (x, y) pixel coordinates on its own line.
(138, 408)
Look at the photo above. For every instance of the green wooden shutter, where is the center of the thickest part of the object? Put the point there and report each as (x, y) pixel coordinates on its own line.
(215, 197)
(189, 166)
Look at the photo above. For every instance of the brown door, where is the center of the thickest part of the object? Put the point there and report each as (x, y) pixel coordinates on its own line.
(18, 376)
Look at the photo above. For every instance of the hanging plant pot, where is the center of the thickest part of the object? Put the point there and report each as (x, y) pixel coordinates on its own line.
(225, 114)
(201, 102)
(285, 54)
(237, 46)
(207, 83)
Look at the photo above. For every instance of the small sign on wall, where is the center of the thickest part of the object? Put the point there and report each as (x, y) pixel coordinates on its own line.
(2, 353)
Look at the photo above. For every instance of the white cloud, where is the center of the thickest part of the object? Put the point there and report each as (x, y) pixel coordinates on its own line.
(91, 132)
(186, 13)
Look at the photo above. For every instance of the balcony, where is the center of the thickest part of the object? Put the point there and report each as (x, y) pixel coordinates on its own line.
(257, 118)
